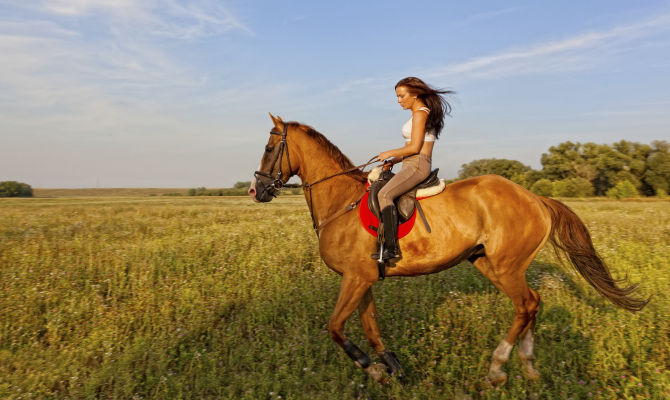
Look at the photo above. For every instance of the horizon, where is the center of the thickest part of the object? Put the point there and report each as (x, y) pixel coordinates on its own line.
(292, 179)
(164, 94)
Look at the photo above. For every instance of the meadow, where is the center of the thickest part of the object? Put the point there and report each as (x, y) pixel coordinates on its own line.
(221, 298)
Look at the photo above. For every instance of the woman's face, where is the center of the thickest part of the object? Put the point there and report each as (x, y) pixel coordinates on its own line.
(405, 98)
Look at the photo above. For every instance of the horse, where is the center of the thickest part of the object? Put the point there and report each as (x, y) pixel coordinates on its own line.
(488, 220)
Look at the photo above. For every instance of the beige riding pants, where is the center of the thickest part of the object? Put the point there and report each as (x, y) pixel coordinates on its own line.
(414, 169)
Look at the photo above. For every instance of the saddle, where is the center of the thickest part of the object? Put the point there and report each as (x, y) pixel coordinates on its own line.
(405, 203)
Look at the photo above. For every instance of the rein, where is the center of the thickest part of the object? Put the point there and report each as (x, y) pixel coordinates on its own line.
(277, 184)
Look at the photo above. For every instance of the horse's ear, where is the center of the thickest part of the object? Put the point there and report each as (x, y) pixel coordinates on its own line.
(277, 121)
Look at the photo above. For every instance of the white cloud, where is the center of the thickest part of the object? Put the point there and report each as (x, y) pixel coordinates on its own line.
(484, 16)
(35, 28)
(169, 18)
(86, 7)
(206, 18)
(84, 85)
(577, 52)
(70, 56)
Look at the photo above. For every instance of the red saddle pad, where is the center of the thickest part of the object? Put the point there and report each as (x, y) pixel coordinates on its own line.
(367, 218)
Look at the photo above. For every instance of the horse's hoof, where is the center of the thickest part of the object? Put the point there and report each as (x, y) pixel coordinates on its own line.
(377, 372)
(393, 367)
(531, 373)
(528, 370)
(496, 378)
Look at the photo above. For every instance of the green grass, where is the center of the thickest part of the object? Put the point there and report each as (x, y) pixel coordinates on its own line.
(215, 297)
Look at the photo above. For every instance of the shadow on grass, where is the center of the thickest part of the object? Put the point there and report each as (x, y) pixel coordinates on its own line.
(443, 327)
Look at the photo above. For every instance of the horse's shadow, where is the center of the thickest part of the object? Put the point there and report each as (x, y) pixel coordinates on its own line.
(443, 328)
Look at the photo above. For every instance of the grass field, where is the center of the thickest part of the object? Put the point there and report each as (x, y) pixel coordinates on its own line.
(215, 297)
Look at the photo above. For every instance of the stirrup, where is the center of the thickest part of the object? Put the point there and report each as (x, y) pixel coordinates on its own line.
(386, 256)
(378, 256)
(391, 256)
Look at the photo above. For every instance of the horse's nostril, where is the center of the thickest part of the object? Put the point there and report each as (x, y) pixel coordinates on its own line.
(252, 194)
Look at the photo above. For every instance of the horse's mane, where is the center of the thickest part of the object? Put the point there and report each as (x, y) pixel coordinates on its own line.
(332, 150)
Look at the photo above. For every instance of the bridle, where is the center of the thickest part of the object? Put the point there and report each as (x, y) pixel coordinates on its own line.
(275, 184)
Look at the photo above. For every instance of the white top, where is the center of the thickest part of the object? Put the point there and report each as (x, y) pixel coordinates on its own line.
(407, 129)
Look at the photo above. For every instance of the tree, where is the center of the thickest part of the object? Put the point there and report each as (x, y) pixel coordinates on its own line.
(657, 174)
(612, 166)
(637, 153)
(502, 167)
(15, 189)
(558, 163)
(602, 165)
(543, 187)
(572, 187)
(242, 185)
(527, 179)
(622, 190)
(661, 145)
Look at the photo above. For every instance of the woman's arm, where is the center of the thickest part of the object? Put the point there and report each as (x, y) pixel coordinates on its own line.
(414, 145)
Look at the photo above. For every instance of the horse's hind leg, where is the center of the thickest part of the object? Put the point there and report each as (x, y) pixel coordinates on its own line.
(526, 302)
(527, 341)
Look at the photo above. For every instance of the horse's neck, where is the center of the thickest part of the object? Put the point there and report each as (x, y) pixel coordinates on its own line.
(331, 195)
(328, 197)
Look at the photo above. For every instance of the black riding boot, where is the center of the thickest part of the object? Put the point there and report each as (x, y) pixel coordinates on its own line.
(390, 220)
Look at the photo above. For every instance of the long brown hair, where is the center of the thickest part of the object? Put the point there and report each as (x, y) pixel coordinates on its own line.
(433, 98)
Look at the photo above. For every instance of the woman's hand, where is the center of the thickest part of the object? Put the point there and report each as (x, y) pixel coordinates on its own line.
(385, 155)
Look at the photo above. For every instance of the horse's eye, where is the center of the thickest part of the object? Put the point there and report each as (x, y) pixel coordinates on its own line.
(268, 149)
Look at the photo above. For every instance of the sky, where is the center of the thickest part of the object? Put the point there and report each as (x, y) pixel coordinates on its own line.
(165, 93)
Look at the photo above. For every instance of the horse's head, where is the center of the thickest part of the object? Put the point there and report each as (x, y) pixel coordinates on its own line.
(275, 167)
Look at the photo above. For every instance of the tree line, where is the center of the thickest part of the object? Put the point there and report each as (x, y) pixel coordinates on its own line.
(570, 169)
(573, 169)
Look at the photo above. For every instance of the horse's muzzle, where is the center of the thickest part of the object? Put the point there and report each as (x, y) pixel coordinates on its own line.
(252, 190)
(261, 192)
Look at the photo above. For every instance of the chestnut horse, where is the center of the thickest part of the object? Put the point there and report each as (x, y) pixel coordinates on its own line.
(494, 223)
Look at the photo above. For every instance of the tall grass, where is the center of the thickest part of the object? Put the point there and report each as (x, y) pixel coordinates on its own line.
(222, 298)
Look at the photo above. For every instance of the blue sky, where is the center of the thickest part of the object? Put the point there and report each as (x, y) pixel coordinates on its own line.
(161, 93)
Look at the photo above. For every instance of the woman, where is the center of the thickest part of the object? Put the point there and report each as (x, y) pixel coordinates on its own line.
(429, 108)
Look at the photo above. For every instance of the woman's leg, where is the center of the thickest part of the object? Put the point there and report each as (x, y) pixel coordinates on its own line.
(415, 169)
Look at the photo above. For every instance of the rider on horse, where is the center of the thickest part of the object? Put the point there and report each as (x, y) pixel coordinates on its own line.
(429, 108)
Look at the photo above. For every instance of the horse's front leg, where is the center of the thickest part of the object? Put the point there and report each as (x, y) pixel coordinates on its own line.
(368, 314)
(353, 289)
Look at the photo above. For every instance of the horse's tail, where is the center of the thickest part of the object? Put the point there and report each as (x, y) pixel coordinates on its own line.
(569, 234)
